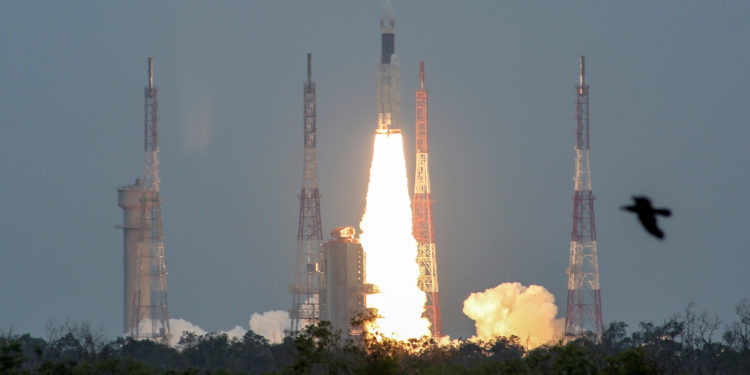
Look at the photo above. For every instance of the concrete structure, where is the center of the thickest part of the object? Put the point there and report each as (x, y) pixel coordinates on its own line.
(422, 214)
(129, 199)
(308, 294)
(584, 311)
(345, 275)
(389, 74)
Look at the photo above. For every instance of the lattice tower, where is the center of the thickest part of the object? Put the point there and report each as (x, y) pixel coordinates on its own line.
(584, 312)
(151, 320)
(308, 291)
(422, 215)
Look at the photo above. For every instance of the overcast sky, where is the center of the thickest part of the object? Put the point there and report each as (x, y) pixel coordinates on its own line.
(669, 118)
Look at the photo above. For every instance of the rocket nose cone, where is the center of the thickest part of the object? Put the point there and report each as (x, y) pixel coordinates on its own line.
(388, 8)
(388, 14)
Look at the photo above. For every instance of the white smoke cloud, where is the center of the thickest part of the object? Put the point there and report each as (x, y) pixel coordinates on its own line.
(271, 325)
(514, 309)
(235, 333)
(177, 327)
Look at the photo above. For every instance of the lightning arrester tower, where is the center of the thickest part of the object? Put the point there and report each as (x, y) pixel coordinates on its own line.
(584, 312)
(422, 215)
(308, 290)
(145, 298)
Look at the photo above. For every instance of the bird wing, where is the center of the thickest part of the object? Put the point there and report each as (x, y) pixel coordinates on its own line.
(648, 219)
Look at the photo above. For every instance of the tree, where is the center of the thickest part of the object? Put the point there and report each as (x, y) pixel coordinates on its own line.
(11, 357)
(571, 359)
(150, 353)
(632, 361)
(320, 350)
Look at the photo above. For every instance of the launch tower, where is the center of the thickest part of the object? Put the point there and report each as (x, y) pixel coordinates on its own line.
(422, 215)
(584, 312)
(146, 308)
(308, 290)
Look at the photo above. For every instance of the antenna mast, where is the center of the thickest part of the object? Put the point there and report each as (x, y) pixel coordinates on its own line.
(308, 291)
(584, 312)
(150, 316)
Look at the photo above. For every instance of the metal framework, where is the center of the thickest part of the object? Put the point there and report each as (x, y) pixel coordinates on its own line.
(422, 215)
(308, 291)
(151, 320)
(584, 312)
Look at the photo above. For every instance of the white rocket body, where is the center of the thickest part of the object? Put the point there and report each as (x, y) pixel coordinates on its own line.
(389, 74)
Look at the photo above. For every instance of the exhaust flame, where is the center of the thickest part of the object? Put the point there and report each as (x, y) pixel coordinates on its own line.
(514, 309)
(390, 247)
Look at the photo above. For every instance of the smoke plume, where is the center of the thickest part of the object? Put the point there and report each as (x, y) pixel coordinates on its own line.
(271, 325)
(235, 333)
(177, 327)
(514, 309)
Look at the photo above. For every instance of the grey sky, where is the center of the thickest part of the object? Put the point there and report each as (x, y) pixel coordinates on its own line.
(669, 118)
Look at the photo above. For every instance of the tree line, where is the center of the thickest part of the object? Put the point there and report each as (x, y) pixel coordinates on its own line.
(688, 343)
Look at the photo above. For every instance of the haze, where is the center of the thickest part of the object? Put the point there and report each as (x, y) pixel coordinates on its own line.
(669, 119)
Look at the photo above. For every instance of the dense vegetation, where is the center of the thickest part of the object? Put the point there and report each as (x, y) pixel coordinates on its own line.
(689, 343)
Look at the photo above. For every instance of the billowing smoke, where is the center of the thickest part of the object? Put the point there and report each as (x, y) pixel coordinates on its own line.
(514, 309)
(271, 325)
(235, 333)
(178, 327)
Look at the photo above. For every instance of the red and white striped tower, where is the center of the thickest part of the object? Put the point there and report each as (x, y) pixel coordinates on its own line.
(422, 215)
(584, 313)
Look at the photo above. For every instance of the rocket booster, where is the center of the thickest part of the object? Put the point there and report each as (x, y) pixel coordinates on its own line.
(389, 76)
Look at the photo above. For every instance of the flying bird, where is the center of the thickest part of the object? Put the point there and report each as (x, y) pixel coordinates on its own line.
(647, 214)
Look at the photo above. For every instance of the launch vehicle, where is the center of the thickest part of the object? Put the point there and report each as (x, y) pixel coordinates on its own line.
(389, 76)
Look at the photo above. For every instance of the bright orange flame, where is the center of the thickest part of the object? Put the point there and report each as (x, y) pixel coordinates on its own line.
(390, 247)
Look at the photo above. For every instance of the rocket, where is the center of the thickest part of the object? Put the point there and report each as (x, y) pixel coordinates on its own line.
(389, 75)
